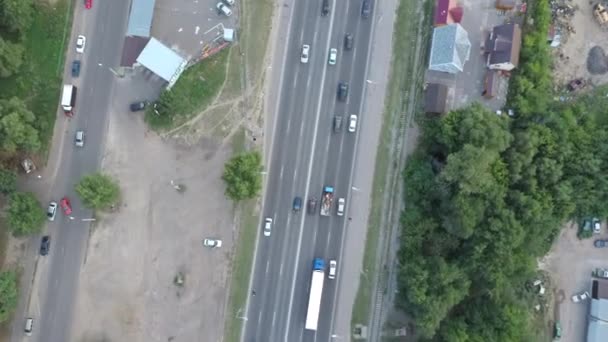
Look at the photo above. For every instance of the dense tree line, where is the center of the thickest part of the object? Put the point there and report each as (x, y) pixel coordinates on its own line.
(486, 195)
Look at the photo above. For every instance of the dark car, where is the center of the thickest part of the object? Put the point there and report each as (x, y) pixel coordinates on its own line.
(325, 7)
(366, 8)
(600, 243)
(348, 41)
(342, 91)
(312, 205)
(297, 203)
(45, 245)
(337, 124)
(75, 68)
(137, 106)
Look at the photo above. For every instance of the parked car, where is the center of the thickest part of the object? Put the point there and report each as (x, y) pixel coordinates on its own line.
(333, 56)
(137, 106)
(600, 273)
(297, 203)
(352, 123)
(51, 211)
(600, 243)
(66, 206)
(223, 9)
(305, 53)
(229, 2)
(580, 297)
(212, 243)
(45, 245)
(79, 139)
(88, 4)
(75, 69)
(333, 265)
(576, 84)
(312, 205)
(342, 91)
(29, 326)
(81, 42)
(557, 330)
(597, 225)
(267, 226)
(348, 41)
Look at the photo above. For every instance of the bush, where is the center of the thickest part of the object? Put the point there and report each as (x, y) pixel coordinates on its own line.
(243, 177)
(8, 181)
(25, 215)
(9, 294)
(98, 191)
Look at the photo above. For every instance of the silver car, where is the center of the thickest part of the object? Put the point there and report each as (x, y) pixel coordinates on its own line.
(333, 56)
(212, 243)
(305, 53)
(51, 211)
(333, 265)
(267, 226)
(79, 139)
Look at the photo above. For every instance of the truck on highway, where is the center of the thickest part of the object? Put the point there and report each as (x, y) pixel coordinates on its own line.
(68, 98)
(326, 199)
(316, 290)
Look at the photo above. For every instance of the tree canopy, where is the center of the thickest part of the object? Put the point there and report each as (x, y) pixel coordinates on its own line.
(25, 215)
(9, 294)
(8, 181)
(98, 191)
(17, 130)
(242, 175)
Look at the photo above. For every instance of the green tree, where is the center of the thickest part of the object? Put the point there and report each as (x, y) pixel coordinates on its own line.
(98, 191)
(16, 15)
(25, 215)
(9, 294)
(8, 181)
(11, 57)
(242, 175)
(16, 126)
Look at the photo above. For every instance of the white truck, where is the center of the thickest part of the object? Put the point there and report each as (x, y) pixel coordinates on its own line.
(68, 98)
(316, 290)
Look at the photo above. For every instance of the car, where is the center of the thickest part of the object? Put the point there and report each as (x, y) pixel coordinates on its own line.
(312, 205)
(325, 7)
(337, 124)
(366, 8)
(81, 42)
(581, 297)
(66, 206)
(557, 330)
(229, 2)
(212, 243)
(88, 4)
(297, 203)
(222, 8)
(597, 225)
(75, 69)
(305, 53)
(137, 106)
(51, 211)
(29, 326)
(45, 245)
(267, 226)
(352, 123)
(341, 205)
(333, 56)
(79, 139)
(348, 41)
(332, 269)
(342, 91)
(600, 243)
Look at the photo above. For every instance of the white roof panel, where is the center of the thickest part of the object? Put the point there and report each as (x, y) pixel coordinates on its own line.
(161, 60)
(140, 18)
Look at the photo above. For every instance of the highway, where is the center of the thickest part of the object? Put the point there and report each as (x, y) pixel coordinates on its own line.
(305, 156)
(53, 300)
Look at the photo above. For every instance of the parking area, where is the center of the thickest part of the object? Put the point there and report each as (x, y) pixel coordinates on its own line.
(570, 263)
(188, 25)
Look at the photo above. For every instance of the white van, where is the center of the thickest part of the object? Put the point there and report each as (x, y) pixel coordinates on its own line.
(224, 9)
(29, 326)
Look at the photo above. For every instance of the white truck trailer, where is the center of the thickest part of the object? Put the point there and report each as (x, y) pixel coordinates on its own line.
(316, 290)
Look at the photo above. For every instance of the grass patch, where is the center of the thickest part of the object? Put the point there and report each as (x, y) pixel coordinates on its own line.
(238, 142)
(196, 89)
(241, 269)
(38, 81)
(399, 83)
(255, 28)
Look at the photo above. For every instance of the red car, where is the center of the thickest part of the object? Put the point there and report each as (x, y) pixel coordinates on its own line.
(88, 4)
(66, 206)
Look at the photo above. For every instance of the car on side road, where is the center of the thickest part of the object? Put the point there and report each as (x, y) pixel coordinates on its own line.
(337, 124)
(75, 69)
(342, 91)
(223, 9)
(333, 56)
(137, 106)
(305, 53)
(66, 206)
(88, 4)
(29, 326)
(557, 330)
(366, 8)
(229, 2)
(45, 245)
(333, 265)
(341, 205)
(79, 139)
(312, 205)
(597, 225)
(297, 203)
(352, 123)
(600, 243)
(81, 42)
(267, 226)
(580, 297)
(51, 211)
(348, 41)
(212, 243)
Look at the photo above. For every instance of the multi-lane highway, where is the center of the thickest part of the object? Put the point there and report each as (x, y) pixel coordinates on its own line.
(54, 298)
(306, 155)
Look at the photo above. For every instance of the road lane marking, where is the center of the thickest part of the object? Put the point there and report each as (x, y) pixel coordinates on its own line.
(274, 318)
(281, 173)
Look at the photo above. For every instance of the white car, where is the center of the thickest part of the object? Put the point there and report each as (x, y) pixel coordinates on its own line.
(51, 211)
(79, 139)
(267, 226)
(81, 41)
(224, 9)
(229, 2)
(305, 53)
(212, 243)
(580, 297)
(352, 123)
(332, 269)
(341, 205)
(333, 56)
(29, 326)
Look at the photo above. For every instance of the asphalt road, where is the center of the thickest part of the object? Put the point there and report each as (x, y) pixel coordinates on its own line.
(54, 298)
(307, 155)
